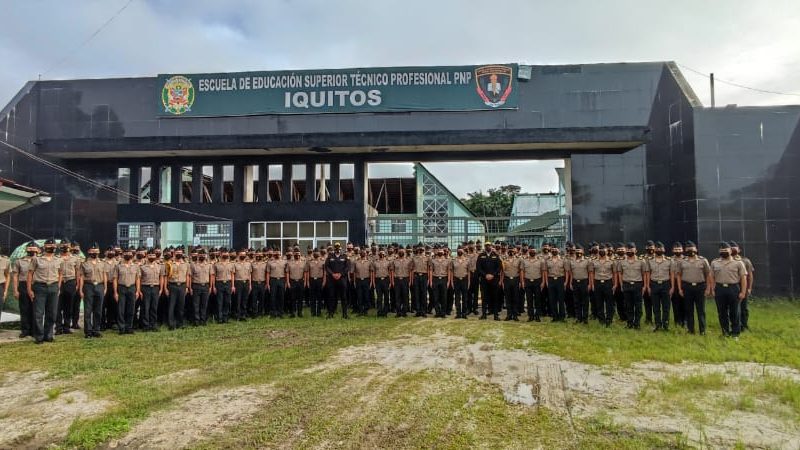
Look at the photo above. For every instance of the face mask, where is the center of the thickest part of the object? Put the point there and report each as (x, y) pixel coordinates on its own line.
(179, 256)
(76, 252)
(201, 258)
(402, 254)
(259, 257)
(296, 256)
(241, 258)
(460, 253)
(690, 252)
(659, 252)
(650, 251)
(531, 254)
(734, 252)
(140, 256)
(579, 255)
(31, 253)
(93, 255)
(630, 253)
(109, 255)
(151, 258)
(316, 255)
(50, 249)
(602, 253)
(127, 257)
(554, 253)
(677, 252)
(621, 253)
(724, 255)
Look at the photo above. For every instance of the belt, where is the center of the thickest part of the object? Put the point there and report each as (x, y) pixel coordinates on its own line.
(631, 283)
(362, 279)
(176, 283)
(695, 284)
(46, 283)
(724, 284)
(602, 281)
(295, 279)
(94, 283)
(461, 278)
(420, 273)
(271, 278)
(382, 278)
(659, 281)
(127, 285)
(440, 278)
(533, 279)
(223, 281)
(193, 284)
(316, 278)
(580, 281)
(151, 285)
(68, 279)
(556, 278)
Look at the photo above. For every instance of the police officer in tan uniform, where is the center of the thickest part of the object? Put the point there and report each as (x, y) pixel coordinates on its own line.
(223, 285)
(678, 303)
(511, 284)
(151, 286)
(259, 281)
(743, 305)
(694, 284)
(201, 277)
(277, 279)
(401, 273)
(44, 281)
(474, 281)
(531, 277)
(440, 279)
(26, 304)
(420, 265)
(69, 287)
(5, 279)
(604, 284)
(91, 288)
(555, 276)
(661, 286)
(316, 282)
(460, 269)
(729, 289)
(581, 282)
(109, 313)
(363, 275)
(298, 281)
(242, 273)
(127, 287)
(177, 273)
(382, 283)
(633, 276)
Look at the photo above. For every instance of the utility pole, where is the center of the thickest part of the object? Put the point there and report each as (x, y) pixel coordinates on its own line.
(711, 79)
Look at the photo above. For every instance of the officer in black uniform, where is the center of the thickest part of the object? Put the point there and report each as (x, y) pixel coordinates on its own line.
(336, 266)
(488, 268)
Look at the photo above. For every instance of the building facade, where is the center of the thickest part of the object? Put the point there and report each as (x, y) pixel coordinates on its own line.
(645, 160)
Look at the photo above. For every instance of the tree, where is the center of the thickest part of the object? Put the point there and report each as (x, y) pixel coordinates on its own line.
(496, 202)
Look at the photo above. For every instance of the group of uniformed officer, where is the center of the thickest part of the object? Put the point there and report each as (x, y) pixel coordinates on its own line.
(141, 288)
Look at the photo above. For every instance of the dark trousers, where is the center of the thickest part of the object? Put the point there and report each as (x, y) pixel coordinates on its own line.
(110, 308)
(648, 307)
(223, 290)
(678, 309)
(382, 298)
(419, 294)
(439, 289)
(474, 286)
(605, 300)
(258, 295)
(177, 297)
(315, 296)
(45, 309)
(580, 294)
(594, 304)
(489, 296)
(26, 310)
(555, 293)
(362, 295)
(533, 297)
(126, 298)
(461, 296)
(92, 307)
(240, 298)
(744, 314)
(619, 300)
(727, 299)
(296, 290)
(695, 302)
(569, 301)
(150, 296)
(69, 290)
(277, 288)
(200, 303)
(337, 292)
(659, 294)
(401, 295)
(511, 293)
(632, 291)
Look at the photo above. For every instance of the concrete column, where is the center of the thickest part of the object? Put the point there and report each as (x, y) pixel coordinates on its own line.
(238, 183)
(334, 183)
(197, 183)
(216, 194)
(311, 183)
(175, 184)
(248, 173)
(263, 182)
(135, 181)
(155, 184)
(360, 182)
(286, 195)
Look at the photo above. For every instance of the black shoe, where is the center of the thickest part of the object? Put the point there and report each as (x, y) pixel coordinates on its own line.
(88, 336)
(23, 335)
(129, 331)
(242, 319)
(496, 317)
(49, 339)
(75, 326)
(482, 317)
(39, 341)
(656, 329)
(537, 318)
(507, 319)
(515, 319)
(59, 332)
(97, 334)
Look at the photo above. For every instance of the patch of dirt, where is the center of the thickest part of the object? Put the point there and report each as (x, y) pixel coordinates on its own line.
(581, 390)
(7, 336)
(36, 411)
(196, 417)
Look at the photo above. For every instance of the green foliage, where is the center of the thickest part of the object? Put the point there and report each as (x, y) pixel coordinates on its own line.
(494, 203)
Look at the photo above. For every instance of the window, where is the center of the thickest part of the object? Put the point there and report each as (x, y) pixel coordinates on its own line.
(250, 184)
(136, 234)
(123, 185)
(346, 179)
(212, 234)
(227, 184)
(281, 235)
(165, 191)
(186, 185)
(144, 184)
(274, 182)
(398, 226)
(208, 184)
(298, 182)
(322, 174)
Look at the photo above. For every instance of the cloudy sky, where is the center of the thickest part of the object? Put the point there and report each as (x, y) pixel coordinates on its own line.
(746, 42)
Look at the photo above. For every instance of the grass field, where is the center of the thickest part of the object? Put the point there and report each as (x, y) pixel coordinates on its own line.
(311, 402)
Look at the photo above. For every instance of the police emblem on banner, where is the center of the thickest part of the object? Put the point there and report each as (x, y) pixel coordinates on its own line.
(177, 95)
(494, 84)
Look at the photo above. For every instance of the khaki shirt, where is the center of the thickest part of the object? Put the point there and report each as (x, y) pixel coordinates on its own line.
(362, 267)
(223, 271)
(747, 263)
(69, 267)
(604, 269)
(440, 266)
(316, 268)
(5, 266)
(401, 266)
(512, 266)
(242, 270)
(151, 273)
(200, 272)
(382, 266)
(179, 272)
(557, 267)
(460, 266)
(694, 270)
(259, 273)
(473, 261)
(580, 268)
(533, 267)
(675, 263)
(21, 267)
(632, 271)
(420, 263)
(92, 270)
(276, 268)
(126, 273)
(728, 272)
(297, 269)
(111, 263)
(660, 270)
(45, 270)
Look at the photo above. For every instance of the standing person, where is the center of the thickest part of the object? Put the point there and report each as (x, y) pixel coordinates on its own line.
(44, 281)
(531, 276)
(316, 282)
(75, 310)
(678, 303)
(91, 288)
(489, 268)
(459, 268)
(745, 310)
(511, 284)
(242, 283)
(127, 287)
(728, 288)
(177, 273)
(298, 281)
(694, 284)
(619, 296)
(439, 280)
(604, 284)
(632, 275)
(661, 287)
(336, 269)
(201, 278)
(581, 280)
(401, 273)
(151, 286)
(259, 280)
(382, 283)
(555, 276)
(276, 284)
(650, 253)
(69, 288)
(474, 282)
(5, 279)
(26, 307)
(223, 285)
(419, 283)
(109, 314)
(364, 277)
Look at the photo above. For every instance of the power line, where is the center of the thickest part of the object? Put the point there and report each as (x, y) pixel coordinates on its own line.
(18, 231)
(88, 39)
(105, 187)
(733, 83)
